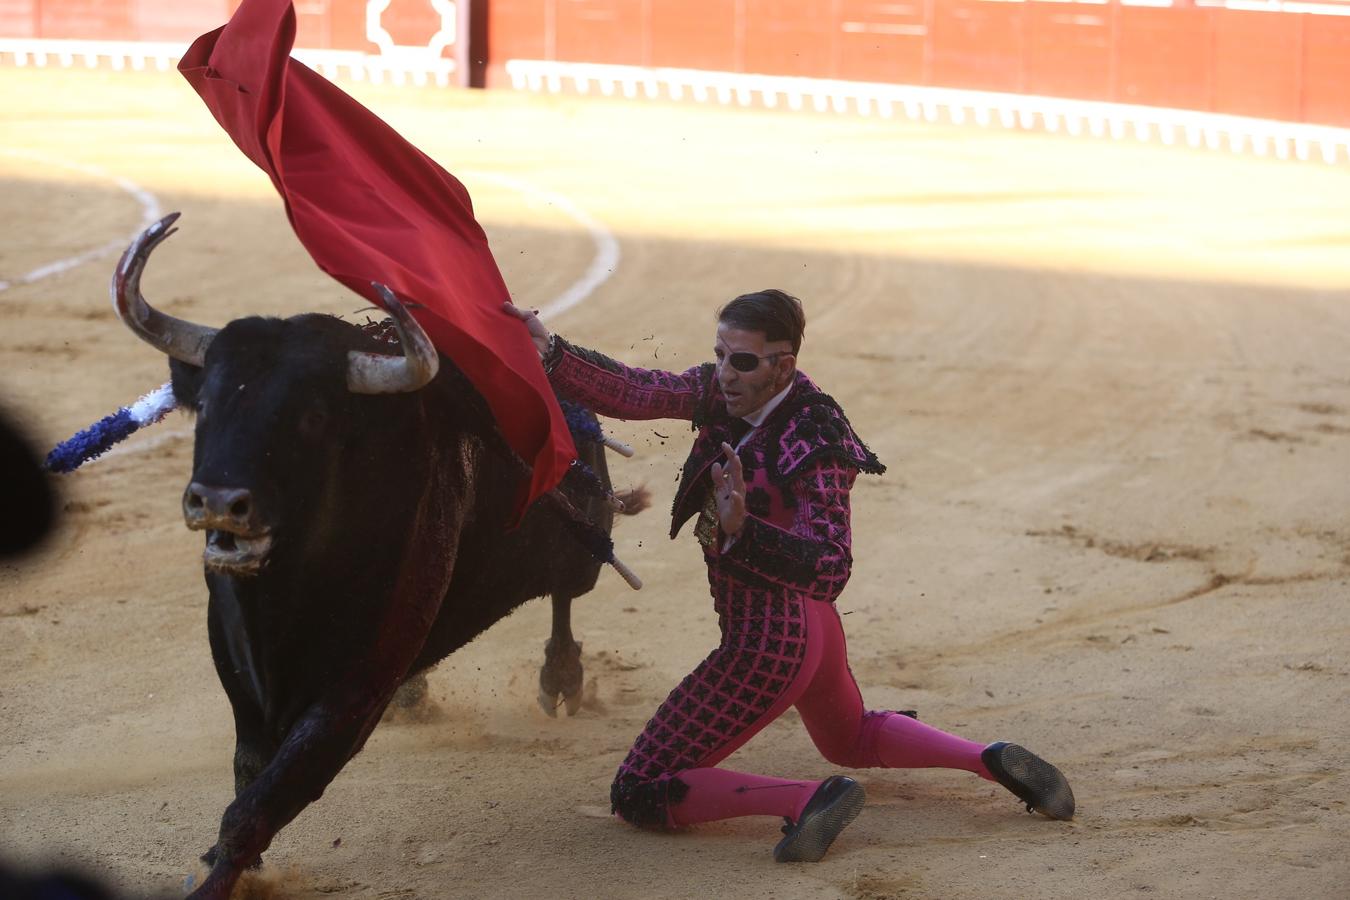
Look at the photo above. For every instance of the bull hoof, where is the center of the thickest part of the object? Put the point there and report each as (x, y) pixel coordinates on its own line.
(548, 703)
(210, 857)
(560, 678)
(412, 703)
(411, 693)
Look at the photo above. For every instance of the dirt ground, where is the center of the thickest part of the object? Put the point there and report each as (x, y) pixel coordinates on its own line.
(1111, 382)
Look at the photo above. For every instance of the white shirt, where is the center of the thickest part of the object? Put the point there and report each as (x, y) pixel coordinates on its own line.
(757, 417)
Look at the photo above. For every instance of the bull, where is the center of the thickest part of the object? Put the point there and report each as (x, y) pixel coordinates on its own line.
(357, 503)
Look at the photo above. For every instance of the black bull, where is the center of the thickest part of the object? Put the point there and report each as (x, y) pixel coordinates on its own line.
(357, 509)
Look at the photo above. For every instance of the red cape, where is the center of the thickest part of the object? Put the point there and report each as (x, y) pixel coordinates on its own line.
(369, 206)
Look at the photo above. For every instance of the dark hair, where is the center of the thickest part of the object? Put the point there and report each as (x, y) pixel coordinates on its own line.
(776, 313)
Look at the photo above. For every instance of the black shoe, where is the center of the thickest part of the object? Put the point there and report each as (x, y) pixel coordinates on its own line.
(1035, 782)
(831, 808)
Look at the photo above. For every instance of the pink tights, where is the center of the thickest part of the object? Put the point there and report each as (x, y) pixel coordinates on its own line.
(846, 734)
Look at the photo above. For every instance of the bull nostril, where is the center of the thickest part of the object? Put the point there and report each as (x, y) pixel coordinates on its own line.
(239, 509)
(194, 501)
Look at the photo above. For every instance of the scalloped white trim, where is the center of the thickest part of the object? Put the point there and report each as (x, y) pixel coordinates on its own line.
(416, 64)
(1285, 140)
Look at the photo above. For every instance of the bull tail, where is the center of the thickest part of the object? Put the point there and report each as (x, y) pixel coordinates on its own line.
(634, 500)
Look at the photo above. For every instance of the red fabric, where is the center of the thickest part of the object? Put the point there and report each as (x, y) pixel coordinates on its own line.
(369, 206)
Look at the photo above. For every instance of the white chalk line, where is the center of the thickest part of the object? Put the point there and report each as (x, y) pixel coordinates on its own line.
(150, 213)
(607, 254)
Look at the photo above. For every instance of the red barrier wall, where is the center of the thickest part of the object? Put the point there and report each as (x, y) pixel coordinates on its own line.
(881, 42)
(618, 25)
(320, 24)
(1326, 72)
(1068, 50)
(1163, 57)
(519, 29)
(109, 20)
(341, 24)
(1251, 71)
(976, 45)
(690, 34)
(1279, 65)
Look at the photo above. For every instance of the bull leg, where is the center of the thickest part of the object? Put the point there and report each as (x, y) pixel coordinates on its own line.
(560, 676)
(320, 743)
(330, 731)
(252, 752)
(253, 749)
(250, 758)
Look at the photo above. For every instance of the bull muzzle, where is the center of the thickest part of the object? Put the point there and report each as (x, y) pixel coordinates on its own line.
(237, 540)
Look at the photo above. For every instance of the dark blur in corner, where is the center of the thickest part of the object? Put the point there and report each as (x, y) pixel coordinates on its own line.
(27, 502)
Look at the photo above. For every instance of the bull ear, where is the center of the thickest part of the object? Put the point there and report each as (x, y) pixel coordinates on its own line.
(187, 383)
(376, 373)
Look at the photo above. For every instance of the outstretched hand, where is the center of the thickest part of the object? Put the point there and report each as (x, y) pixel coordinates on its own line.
(538, 333)
(729, 491)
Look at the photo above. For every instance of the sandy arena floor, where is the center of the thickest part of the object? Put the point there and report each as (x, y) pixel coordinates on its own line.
(1112, 383)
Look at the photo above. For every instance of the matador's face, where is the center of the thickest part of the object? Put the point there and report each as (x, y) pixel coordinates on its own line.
(774, 366)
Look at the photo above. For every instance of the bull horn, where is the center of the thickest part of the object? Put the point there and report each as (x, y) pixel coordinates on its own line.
(180, 339)
(376, 373)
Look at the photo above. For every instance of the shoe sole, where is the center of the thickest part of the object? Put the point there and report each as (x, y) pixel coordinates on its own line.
(1038, 784)
(814, 836)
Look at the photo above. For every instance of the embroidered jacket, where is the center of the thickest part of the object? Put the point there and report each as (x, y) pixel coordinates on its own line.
(799, 466)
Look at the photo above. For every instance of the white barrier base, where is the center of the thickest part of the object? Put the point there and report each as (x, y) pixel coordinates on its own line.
(1120, 121)
(1284, 140)
(406, 65)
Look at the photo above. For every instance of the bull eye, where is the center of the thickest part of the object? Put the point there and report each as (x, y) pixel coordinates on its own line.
(313, 420)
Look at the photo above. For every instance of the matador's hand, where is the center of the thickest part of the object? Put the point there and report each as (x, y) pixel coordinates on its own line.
(729, 492)
(538, 333)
